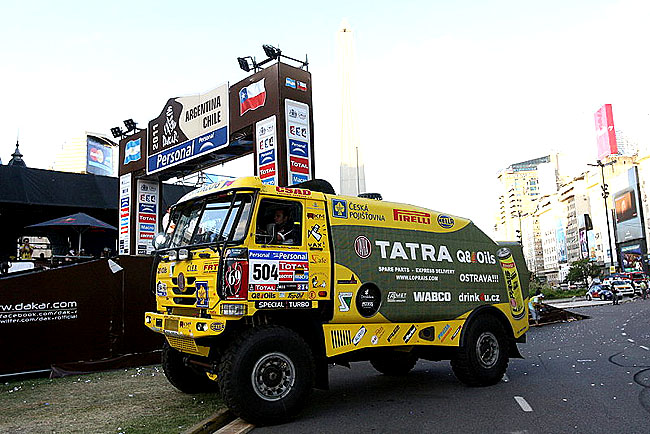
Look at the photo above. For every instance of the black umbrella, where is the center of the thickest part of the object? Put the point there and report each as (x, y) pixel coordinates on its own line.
(79, 222)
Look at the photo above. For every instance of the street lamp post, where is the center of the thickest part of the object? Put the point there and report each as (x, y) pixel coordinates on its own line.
(605, 195)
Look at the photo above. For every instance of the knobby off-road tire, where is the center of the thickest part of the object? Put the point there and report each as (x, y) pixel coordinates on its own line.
(183, 377)
(266, 375)
(483, 359)
(394, 363)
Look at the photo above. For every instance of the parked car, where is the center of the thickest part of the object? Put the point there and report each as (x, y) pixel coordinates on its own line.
(622, 287)
(599, 292)
(637, 277)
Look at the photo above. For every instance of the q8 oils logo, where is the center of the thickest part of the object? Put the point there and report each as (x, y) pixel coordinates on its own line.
(340, 208)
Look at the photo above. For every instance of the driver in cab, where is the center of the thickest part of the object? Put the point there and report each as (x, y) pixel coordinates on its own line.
(282, 228)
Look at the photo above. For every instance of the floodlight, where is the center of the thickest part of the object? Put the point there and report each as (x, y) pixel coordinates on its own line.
(271, 51)
(117, 132)
(243, 63)
(130, 125)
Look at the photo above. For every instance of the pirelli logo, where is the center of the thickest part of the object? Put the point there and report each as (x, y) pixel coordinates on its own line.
(402, 215)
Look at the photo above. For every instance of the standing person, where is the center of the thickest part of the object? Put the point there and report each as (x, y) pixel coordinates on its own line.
(534, 304)
(614, 295)
(644, 288)
(26, 250)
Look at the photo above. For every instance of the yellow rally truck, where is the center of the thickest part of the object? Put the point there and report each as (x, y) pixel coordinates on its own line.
(259, 288)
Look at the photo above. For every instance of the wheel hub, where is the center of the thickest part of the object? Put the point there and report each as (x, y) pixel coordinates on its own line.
(487, 350)
(273, 376)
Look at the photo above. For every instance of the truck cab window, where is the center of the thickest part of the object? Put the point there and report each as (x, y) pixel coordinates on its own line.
(279, 222)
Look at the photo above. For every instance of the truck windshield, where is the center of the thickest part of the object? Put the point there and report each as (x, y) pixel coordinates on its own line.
(201, 222)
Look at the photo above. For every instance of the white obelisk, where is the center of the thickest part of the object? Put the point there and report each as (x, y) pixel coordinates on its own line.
(353, 179)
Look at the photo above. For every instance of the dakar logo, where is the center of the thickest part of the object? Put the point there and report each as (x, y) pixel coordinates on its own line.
(402, 215)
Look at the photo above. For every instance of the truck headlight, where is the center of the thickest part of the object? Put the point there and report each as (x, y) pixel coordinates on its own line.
(233, 309)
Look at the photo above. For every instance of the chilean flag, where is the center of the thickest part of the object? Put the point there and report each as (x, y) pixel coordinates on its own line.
(252, 97)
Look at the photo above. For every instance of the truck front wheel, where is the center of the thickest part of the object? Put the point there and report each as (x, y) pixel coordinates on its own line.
(483, 359)
(266, 375)
(394, 363)
(182, 377)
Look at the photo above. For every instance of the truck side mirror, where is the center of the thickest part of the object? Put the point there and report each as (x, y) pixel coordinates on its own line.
(159, 241)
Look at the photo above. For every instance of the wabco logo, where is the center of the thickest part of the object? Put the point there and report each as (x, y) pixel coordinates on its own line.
(402, 215)
(445, 221)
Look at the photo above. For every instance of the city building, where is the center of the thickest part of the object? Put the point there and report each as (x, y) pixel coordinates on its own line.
(88, 153)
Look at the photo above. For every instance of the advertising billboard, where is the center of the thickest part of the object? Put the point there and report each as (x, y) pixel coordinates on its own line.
(99, 157)
(626, 206)
(147, 216)
(560, 237)
(133, 151)
(124, 237)
(632, 256)
(299, 163)
(605, 133)
(266, 138)
(187, 128)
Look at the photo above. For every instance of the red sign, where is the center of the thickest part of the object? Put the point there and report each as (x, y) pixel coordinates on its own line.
(299, 165)
(402, 215)
(267, 170)
(147, 218)
(605, 133)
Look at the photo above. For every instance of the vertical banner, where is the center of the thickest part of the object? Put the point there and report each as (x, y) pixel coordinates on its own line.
(299, 164)
(605, 133)
(266, 149)
(147, 219)
(124, 238)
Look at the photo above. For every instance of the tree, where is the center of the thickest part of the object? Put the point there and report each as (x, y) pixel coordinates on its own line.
(581, 270)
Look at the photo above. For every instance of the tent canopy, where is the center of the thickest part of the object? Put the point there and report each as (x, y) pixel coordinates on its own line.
(79, 221)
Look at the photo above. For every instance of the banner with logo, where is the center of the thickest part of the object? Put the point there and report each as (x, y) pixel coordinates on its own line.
(605, 133)
(187, 128)
(99, 158)
(299, 162)
(267, 153)
(147, 216)
(124, 236)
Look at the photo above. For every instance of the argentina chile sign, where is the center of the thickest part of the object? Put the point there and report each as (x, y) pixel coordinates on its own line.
(188, 127)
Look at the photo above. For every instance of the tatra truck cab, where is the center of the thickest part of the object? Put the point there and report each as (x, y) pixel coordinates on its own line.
(259, 288)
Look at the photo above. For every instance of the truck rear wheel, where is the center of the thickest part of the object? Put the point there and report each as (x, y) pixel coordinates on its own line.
(394, 363)
(483, 359)
(266, 375)
(182, 377)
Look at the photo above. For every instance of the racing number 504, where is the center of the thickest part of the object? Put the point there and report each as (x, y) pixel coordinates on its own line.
(263, 272)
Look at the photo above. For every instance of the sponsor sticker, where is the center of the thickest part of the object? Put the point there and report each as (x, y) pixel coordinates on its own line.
(345, 300)
(202, 294)
(409, 334)
(360, 334)
(363, 247)
(419, 217)
(340, 208)
(445, 221)
(290, 82)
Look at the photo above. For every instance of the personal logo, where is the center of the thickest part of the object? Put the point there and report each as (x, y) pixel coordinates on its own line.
(132, 151)
(202, 299)
(363, 247)
(345, 299)
(340, 208)
(445, 221)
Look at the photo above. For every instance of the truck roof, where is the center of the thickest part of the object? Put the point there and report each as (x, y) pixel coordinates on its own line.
(349, 210)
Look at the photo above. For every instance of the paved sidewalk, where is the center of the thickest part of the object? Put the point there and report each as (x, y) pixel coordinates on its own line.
(575, 302)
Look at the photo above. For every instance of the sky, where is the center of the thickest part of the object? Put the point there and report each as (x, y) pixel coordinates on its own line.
(448, 93)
